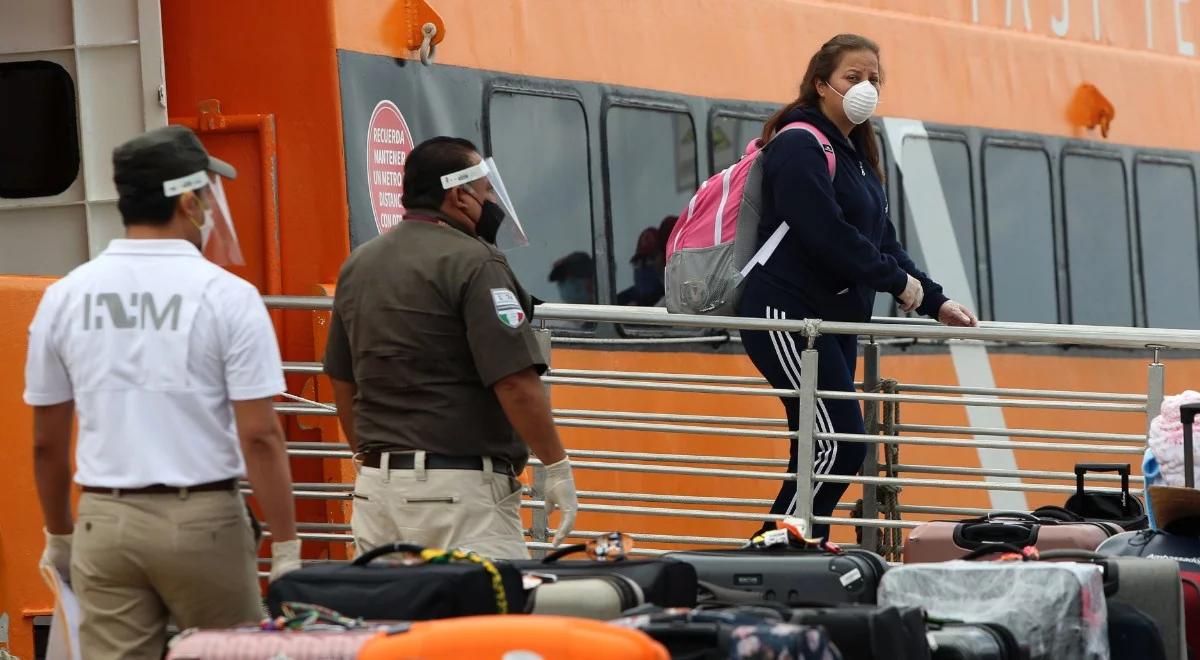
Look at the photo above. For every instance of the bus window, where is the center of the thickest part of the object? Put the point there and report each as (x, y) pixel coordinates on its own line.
(39, 142)
(1166, 207)
(551, 194)
(652, 175)
(1020, 234)
(729, 137)
(1097, 240)
(951, 165)
(885, 304)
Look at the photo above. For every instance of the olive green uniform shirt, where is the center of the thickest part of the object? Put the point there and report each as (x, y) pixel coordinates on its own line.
(426, 318)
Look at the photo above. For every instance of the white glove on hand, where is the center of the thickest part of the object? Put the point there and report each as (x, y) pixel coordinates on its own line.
(285, 558)
(560, 494)
(913, 295)
(955, 314)
(57, 554)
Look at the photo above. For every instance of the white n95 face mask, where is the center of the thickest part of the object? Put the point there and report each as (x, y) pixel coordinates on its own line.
(859, 102)
(218, 238)
(207, 227)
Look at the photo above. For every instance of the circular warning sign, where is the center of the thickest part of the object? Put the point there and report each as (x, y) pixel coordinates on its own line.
(388, 146)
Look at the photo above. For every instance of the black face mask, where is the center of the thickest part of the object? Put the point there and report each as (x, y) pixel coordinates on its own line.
(489, 221)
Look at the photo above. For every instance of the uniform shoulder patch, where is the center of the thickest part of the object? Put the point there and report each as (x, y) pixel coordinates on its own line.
(508, 308)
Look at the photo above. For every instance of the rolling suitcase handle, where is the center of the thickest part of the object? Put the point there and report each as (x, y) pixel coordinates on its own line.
(1187, 415)
(1120, 468)
(563, 552)
(610, 547)
(1018, 515)
(387, 549)
(1072, 553)
(985, 533)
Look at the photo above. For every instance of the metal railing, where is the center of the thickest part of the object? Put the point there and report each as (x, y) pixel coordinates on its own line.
(882, 401)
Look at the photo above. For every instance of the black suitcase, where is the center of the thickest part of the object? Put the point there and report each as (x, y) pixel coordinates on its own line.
(1133, 634)
(975, 641)
(752, 632)
(388, 590)
(791, 575)
(866, 632)
(1124, 508)
(663, 581)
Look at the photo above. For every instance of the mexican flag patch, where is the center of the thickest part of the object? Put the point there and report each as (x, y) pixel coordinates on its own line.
(508, 308)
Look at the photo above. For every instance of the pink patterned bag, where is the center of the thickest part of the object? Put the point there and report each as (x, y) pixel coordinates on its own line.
(305, 632)
(254, 644)
(712, 247)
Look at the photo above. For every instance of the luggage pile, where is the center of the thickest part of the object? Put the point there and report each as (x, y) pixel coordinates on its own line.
(782, 596)
(1086, 581)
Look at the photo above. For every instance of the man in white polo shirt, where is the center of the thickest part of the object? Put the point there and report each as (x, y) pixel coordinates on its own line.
(171, 364)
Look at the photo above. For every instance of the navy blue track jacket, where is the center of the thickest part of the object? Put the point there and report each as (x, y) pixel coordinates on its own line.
(840, 247)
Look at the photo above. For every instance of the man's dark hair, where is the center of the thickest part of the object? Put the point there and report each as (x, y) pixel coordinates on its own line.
(147, 207)
(427, 164)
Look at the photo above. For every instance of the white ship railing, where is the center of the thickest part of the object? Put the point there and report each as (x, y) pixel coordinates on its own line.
(882, 429)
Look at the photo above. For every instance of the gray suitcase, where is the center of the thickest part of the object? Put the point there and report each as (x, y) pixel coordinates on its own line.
(790, 575)
(1151, 586)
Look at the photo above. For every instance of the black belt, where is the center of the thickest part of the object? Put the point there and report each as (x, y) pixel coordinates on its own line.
(407, 461)
(161, 489)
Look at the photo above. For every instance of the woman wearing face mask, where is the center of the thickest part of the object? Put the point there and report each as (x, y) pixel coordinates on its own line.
(838, 249)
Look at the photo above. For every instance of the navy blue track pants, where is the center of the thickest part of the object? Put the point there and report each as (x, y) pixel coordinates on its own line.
(777, 356)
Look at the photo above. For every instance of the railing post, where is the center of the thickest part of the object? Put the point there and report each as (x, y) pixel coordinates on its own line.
(870, 466)
(540, 520)
(893, 538)
(1155, 387)
(807, 420)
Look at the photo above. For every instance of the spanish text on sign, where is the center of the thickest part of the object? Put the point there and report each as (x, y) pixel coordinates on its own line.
(388, 157)
(387, 135)
(387, 178)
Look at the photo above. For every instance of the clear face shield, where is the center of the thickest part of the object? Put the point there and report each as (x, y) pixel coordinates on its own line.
(218, 238)
(509, 233)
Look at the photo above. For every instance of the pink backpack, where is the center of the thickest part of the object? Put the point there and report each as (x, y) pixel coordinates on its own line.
(711, 249)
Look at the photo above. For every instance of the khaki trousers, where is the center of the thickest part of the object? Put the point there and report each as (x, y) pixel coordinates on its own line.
(473, 509)
(139, 559)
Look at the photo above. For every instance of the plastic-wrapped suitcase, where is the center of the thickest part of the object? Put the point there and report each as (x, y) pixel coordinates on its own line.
(513, 637)
(792, 575)
(947, 540)
(427, 584)
(663, 581)
(746, 632)
(975, 641)
(1057, 608)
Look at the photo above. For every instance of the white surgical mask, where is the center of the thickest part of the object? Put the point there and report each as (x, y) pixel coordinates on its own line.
(859, 101)
(206, 226)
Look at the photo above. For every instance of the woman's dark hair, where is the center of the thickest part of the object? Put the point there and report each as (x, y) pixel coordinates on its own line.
(820, 68)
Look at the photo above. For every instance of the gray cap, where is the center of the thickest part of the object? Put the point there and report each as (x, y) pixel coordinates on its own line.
(142, 164)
